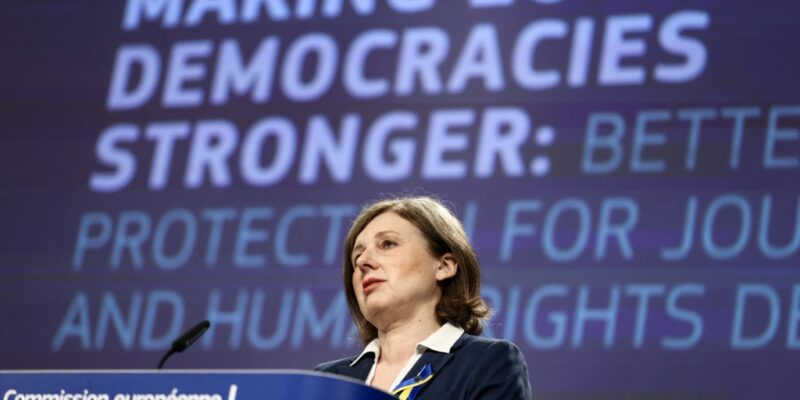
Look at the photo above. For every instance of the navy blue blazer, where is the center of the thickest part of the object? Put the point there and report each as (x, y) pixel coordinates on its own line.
(476, 368)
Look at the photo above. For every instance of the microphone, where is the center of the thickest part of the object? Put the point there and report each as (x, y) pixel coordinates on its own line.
(184, 341)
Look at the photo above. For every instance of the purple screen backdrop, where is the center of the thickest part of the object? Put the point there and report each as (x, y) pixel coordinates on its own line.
(627, 171)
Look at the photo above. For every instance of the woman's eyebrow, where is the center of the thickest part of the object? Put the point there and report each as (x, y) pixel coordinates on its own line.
(360, 246)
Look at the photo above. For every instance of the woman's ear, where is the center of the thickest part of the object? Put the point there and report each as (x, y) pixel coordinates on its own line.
(448, 266)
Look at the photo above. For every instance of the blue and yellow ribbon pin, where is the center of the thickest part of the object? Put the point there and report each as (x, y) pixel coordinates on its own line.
(408, 389)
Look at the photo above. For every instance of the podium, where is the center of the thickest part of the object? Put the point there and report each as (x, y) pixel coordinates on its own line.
(183, 385)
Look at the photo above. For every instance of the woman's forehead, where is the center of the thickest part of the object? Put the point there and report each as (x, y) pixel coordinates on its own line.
(385, 223)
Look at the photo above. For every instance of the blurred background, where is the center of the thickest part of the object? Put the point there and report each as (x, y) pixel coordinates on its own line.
(627, 172)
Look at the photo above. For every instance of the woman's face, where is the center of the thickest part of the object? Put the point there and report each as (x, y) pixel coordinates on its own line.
(395, 275)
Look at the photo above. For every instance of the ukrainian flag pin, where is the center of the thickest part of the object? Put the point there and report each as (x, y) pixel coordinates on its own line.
(408, 389)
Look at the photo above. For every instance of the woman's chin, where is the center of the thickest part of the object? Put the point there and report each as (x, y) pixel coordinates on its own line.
(375, 307)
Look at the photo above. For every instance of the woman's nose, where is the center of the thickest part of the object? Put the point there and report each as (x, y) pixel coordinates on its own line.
(365, 260)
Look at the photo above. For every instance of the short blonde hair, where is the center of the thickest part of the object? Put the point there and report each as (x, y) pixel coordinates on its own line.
(461, 303)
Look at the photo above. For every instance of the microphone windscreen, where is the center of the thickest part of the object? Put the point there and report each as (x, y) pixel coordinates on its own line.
(184, 341)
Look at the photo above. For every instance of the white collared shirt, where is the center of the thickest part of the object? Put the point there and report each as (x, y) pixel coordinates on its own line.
(442, 341)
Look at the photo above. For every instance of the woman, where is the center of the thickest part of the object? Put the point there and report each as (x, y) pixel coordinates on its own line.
(412, 283)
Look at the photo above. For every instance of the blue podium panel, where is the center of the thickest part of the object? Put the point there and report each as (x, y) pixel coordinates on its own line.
(182, 385)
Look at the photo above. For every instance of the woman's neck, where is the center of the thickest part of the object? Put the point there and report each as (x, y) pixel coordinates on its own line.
(399, 340)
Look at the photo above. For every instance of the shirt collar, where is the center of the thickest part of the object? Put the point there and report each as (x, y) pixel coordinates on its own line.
(440, 341)
(443, 339)
(372, 347)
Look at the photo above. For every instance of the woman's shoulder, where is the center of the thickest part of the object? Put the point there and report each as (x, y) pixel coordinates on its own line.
(478, 350)
(496, 368)
(480, 343)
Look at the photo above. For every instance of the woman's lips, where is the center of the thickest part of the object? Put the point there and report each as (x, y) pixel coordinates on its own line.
(371, 284)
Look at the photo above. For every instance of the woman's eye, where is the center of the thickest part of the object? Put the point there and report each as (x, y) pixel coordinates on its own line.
(388, 244)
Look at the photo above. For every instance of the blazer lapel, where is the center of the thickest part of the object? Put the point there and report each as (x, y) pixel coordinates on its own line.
(436, 359)
(361, 369)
